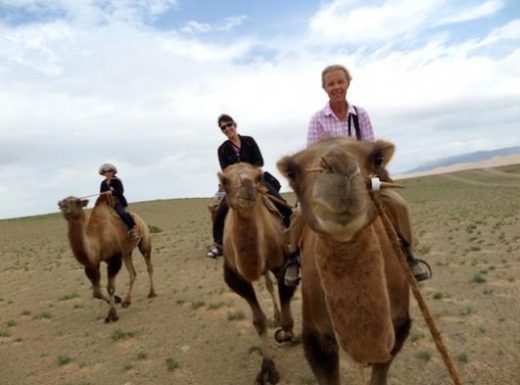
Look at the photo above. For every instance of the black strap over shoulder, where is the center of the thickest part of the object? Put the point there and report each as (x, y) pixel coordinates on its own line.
(355, 122)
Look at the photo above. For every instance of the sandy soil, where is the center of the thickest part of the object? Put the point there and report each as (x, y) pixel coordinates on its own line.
(198, 332)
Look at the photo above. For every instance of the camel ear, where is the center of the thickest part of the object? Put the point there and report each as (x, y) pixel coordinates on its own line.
(381, 153)
(83, 202)
(288, 168)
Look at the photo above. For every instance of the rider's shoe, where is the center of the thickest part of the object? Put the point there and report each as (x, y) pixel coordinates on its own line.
(292, 270)
(419, 268)
(132, 235)
(214, 251)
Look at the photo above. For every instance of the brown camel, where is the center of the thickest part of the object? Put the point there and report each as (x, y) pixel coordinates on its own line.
(102, 237)
(355, 293)
(253, 246)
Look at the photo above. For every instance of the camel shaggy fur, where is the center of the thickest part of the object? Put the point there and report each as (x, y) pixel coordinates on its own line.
(254, 245)
(355, 293)
(102, 237)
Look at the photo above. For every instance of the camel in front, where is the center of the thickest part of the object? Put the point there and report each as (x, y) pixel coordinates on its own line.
(102, 237)
(253, 246)
(355, 293)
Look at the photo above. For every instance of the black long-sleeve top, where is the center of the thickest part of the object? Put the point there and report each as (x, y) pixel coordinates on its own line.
(249, 152)
(116, 186)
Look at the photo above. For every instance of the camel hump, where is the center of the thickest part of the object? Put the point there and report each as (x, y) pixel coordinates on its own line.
(104, 199)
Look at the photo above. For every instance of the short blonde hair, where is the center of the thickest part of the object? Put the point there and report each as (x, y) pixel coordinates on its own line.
(335, 67)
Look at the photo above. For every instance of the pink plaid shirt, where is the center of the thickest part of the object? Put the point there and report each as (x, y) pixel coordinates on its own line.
(325, 124)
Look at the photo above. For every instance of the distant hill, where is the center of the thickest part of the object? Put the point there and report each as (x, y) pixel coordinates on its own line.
(472, 157)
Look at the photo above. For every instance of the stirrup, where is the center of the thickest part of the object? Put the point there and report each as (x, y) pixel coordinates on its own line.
(132, 235)
(214, 251)
(423, 274)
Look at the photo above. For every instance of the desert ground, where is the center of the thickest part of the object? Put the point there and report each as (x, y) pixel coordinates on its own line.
(196, 331)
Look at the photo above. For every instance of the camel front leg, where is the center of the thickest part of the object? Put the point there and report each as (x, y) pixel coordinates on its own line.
(321, 352)
(286, 323)
(127, 259)
(114, 265)
(94, 276)
(270, 288)
(268, 373)
(380, 371)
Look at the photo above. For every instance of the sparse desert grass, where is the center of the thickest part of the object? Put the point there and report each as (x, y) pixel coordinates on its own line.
(63, 360)
(46, 293)
(424, 355)
(154, 229)
(236, 315)
(215, 306)
(43, 315)
(171, 364)
(68, 297)
(463, 357)
(119, 334)
(479, 278)
(416, 335)
(198, 304)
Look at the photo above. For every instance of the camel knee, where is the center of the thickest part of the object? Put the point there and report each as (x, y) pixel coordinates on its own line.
(259, 321)
(96, 292)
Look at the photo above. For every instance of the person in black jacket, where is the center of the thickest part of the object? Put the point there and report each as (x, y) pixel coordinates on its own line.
(240, 148)
(112, 185)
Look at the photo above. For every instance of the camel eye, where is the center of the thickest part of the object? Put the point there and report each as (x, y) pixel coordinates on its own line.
(291, 171)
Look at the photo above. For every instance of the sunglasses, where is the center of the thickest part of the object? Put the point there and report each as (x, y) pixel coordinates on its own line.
(227, 125)
(107, 171)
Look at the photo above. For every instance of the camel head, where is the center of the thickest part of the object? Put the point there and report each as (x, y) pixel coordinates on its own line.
(72, 207)
(330, 179)
(241, 182)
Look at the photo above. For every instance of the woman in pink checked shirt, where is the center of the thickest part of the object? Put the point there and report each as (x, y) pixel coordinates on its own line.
(340, 118)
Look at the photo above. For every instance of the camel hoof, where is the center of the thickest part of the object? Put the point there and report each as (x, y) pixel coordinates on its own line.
(152, 294)
(112, 316)
(126, 303)
(268, 374)
(117, 299)
(282, 336)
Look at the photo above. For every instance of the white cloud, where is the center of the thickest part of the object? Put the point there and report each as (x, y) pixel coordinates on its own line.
(93, 11)
(232, 22)
(338, 21)
(510, 31)
(195, 27)
(75, 95)
(487, 8)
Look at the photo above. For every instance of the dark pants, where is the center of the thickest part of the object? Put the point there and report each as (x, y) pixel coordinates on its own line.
(223, 208)
(125, 215)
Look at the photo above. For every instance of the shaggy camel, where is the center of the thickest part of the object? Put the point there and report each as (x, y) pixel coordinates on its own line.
(355, 293)
(102, 237)
(253, 246)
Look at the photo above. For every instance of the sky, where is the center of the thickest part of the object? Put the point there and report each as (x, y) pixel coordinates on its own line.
(140, 84)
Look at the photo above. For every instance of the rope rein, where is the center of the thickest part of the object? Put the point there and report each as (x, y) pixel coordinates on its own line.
(392, 235)
(93, 195)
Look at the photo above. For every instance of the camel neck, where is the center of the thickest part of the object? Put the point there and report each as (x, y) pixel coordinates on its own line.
(78, 241)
